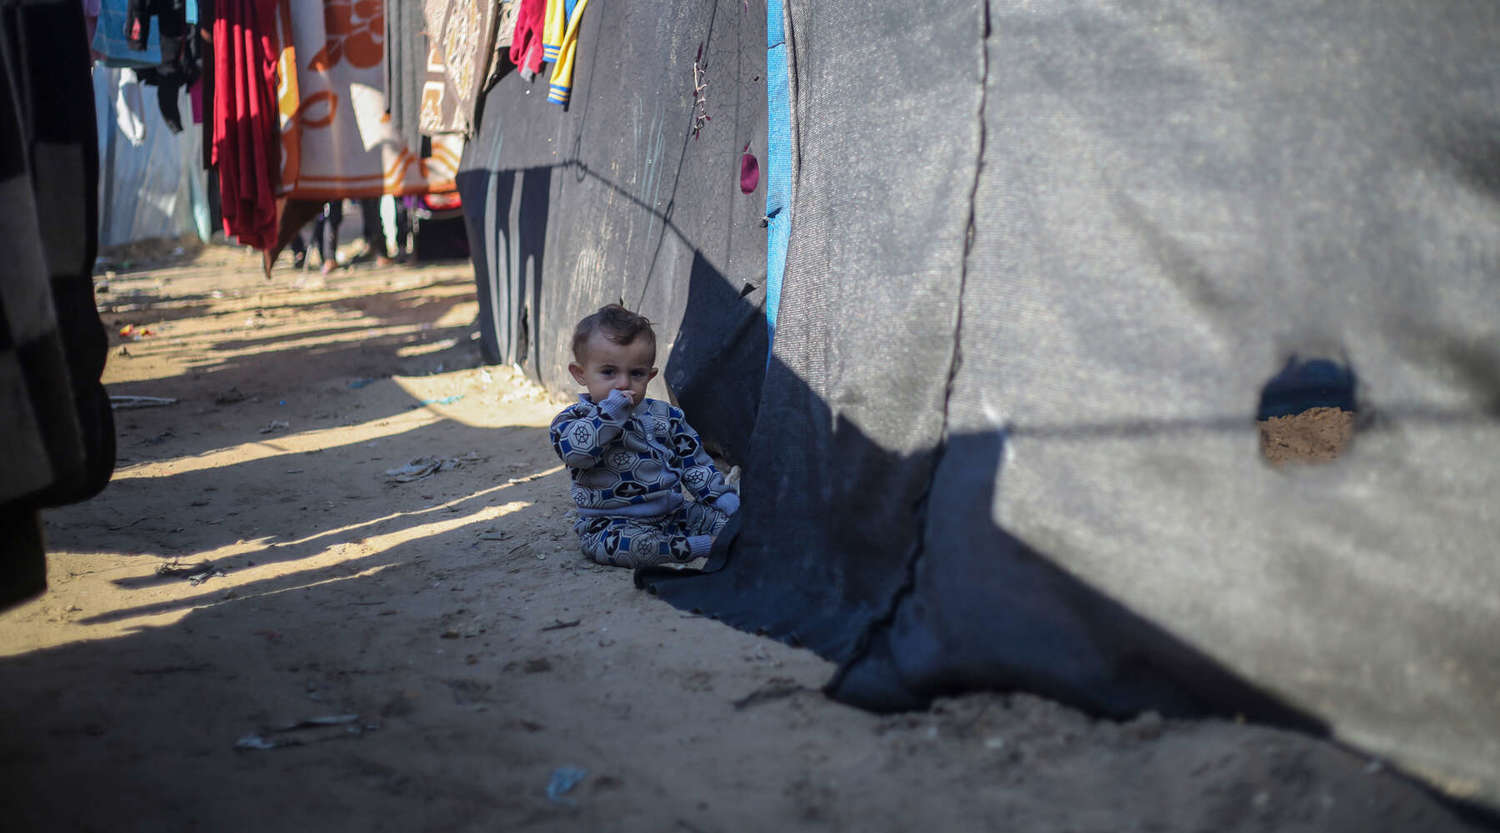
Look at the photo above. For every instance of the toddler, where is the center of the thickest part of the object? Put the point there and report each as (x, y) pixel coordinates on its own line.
(630, 457)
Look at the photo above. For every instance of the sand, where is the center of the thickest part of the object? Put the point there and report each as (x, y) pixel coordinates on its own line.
(252, 568)
(1316, 435)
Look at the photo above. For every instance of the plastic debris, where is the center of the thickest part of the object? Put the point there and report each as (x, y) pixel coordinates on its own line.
(564, 779)
(198, 579)
(359, 383)
(415, 470)
(134, 333)
(310, 730)
(122, 402)
(276, 425)
(314, 722)
(427, 466)
(447, 400)
(196, 574)
(776, 688)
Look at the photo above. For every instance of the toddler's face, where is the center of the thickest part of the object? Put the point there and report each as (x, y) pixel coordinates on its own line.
(608, 366)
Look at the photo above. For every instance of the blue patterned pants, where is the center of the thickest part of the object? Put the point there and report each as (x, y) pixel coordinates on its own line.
(641, 542)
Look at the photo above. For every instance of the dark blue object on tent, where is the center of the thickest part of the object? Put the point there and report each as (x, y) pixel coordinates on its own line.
(1301, 385)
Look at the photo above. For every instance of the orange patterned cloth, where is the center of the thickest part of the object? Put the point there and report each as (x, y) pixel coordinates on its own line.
(336, 138)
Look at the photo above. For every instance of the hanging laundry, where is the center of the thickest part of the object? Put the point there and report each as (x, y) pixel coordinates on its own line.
(91, 22)
(526, 43)
(171, 21)
(560, 43)
(405, 67)
(462, 36)
(336, 139)
(205, 30)
(169, 78)
(439, 112)
(556, 15)
(505, 32)
(110, 41)
(244, 137)
(195, 99)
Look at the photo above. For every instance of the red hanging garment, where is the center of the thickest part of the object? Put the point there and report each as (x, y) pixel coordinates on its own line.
(526, 42)
(245, 119)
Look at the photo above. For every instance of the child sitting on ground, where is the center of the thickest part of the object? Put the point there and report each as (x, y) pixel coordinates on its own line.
(630, 457)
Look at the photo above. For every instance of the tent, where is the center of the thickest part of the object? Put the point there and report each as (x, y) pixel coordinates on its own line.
(1042, 265)
(152, 184)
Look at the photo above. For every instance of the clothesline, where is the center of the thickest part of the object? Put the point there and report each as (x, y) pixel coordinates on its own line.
(312, 101)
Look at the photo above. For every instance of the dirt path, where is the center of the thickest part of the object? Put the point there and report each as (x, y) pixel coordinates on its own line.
(252, 566)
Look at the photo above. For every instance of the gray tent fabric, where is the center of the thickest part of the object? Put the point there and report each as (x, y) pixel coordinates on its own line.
(614, 199)
(1043, 262)
(1155, 234)
(1030, 369)
(853, 410)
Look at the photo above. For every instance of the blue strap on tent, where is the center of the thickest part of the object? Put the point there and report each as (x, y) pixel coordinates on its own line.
(778, 162)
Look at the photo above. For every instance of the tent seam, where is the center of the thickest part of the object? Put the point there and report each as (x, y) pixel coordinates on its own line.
(923, 502)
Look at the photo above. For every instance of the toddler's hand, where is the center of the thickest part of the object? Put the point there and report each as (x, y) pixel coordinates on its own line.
(617, 403)
(618, 395)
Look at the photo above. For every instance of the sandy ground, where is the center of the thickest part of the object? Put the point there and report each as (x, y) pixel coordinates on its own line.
(252, 568)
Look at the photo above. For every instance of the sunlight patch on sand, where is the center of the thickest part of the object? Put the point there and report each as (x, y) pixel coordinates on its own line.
(277, 445)
(438, 346)
(493, 512)
(250, 569)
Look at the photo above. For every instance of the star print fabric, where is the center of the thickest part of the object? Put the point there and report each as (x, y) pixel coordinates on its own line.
(635, 465)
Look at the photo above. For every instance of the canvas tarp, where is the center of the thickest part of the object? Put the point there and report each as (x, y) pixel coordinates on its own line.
(152, 184)
(1042, 261)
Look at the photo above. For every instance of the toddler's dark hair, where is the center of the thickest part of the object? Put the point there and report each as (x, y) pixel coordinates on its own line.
(618, 324)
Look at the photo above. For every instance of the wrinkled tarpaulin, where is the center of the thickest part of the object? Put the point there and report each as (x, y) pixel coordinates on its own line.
(1006, 439)
(58, 430)
(152, 184)
(614, 199)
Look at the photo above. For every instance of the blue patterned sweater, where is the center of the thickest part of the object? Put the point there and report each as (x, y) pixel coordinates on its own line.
(635, 460)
